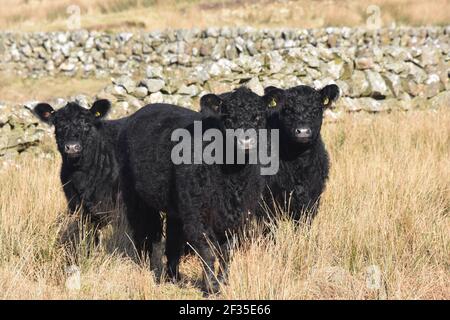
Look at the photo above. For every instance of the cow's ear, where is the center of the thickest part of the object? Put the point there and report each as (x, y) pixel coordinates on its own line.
(329, 94)
(100, 108)
(44, 112)
(211, 103)
(274, 98)
(269, 89)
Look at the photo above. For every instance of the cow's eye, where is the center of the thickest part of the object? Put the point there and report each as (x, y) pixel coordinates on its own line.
(228, 123)
(84, 126)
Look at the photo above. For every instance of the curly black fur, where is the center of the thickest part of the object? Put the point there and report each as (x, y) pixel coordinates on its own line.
(90, 177)
(304, 161)
(147, 171)
(201, 201)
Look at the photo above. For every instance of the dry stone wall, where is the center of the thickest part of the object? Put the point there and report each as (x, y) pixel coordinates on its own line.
(403, 68)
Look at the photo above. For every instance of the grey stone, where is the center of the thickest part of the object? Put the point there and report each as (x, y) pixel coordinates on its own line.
(433, 85)
(154, 72)
(249, 64)
(442, 100)
(311, 60)
(231, 51)
(430, 56)
(348, 104)
(371, 105)
(363, 63)
(393, 82)
(127, 83)
(199, 75)
(141, 92)
(410, 86)
(416, 72)
(255, 85)
(191, 90)
(377, 85)
(119, 91)
(27, 51)
(125, 36)
(67, 66)
(359, 86)
(153, 85)
(134, 104)
(156, 97)
(275, 61)
(90, 43)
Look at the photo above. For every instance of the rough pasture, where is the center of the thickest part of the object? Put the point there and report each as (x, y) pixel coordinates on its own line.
(386, 205)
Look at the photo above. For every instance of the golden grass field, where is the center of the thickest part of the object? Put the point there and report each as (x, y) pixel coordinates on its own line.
(45, 15)
(387, 204)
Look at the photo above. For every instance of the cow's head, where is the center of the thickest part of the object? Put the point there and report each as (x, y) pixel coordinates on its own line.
(239, 109)
(299, 110)
(76, 128)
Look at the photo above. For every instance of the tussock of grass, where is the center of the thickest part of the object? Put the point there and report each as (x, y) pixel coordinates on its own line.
(386, 208)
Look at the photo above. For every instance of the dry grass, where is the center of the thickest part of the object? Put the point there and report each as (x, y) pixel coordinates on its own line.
(33, 15)
(387, 204)
(18, 89)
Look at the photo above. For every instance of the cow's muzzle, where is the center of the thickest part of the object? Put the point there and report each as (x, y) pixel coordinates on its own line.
(72, 149)
(303, 134)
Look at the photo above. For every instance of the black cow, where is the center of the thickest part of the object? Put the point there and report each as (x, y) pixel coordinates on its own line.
(86, 142)
(203, 202)
(304, 162)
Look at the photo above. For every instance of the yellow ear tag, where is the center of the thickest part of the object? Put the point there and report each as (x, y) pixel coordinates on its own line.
(326, 100)
(97, 114)
(273, 103)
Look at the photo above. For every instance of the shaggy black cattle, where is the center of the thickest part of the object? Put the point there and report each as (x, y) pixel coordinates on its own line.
(304, 162)
(203, 202)
(89, 171)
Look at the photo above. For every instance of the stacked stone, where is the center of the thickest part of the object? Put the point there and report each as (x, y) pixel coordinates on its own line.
(371, 79)
(100, 54)
(19, 133)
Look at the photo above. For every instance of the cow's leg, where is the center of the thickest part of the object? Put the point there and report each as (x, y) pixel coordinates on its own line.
(146, 225)
(224, 261)
(145, 222)
(201, 240)
(304, 206)
(72, 196)
(174, 245)
(210, 281)
(298, 202)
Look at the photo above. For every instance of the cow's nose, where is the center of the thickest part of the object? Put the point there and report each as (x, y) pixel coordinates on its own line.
(72, 148)
(303, 132)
